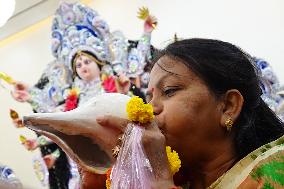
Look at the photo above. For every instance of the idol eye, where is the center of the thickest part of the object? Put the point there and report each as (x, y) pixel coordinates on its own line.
(87, 62)
(78, 65)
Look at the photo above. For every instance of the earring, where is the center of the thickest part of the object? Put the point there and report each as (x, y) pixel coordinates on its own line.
(229, 124)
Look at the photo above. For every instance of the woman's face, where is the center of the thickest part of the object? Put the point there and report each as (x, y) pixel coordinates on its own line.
(187, 113)
(86, 68)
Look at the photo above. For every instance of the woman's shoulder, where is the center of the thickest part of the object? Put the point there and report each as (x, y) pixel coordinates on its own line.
(262, 168)
(267, 173)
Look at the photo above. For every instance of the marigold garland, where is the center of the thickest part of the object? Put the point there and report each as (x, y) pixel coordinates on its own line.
(138, 111)
(173, 159)
(108, 181)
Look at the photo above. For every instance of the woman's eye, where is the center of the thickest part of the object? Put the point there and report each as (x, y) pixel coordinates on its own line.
(87, 62)
(170, 92)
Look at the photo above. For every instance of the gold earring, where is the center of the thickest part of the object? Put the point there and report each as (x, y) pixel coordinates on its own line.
(229, 124)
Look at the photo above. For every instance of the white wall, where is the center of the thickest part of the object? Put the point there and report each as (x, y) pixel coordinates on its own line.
(255, 25)
(23, 58)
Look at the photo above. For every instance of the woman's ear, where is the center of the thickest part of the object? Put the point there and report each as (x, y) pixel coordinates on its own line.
(233, 103)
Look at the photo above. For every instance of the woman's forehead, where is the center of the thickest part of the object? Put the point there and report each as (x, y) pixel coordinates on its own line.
(170, 70)
(173, 66)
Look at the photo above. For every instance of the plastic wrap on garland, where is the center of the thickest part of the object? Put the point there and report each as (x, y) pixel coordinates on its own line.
(132, 169)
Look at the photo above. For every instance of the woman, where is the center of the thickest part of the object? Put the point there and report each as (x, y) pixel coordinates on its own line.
(207, 105)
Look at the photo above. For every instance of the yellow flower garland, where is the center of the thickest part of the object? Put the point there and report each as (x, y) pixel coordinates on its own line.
(143, 113)
(138, 111)
(108, 181)
(173, 159)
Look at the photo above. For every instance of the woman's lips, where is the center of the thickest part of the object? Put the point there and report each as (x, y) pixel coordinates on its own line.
(160, 126)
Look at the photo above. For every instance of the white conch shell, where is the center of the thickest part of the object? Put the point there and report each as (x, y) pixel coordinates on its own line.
(78, 133)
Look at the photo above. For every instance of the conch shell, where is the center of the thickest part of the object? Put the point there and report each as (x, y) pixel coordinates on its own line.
(78, 133)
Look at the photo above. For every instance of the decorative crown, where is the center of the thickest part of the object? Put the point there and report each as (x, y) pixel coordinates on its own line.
(78, 28)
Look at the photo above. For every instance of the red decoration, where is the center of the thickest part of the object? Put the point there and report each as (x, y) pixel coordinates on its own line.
(109, 85)
(71, 101)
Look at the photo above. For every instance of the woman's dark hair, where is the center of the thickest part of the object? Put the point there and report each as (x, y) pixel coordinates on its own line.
(224, 66)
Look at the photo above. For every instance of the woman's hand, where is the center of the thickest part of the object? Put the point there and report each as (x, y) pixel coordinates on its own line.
(154, 144)
(20, 92)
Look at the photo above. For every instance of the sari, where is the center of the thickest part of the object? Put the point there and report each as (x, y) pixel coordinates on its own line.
(261, 169)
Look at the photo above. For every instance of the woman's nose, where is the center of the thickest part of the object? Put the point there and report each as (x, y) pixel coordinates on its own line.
(157, 106)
